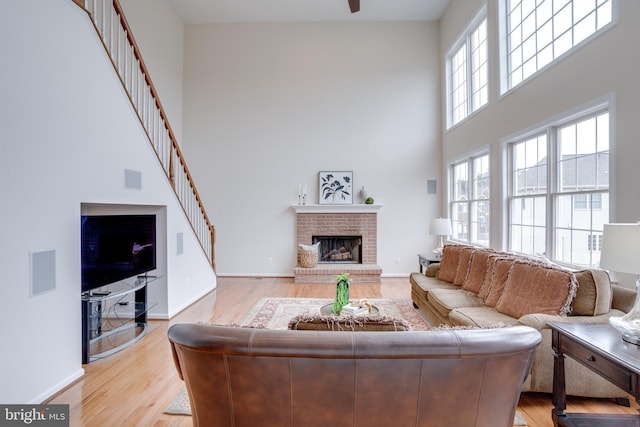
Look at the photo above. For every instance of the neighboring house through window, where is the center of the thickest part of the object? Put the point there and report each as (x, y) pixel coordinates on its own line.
(470, 200)
(559, 190)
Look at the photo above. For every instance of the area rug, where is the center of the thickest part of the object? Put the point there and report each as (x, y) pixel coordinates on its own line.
(180, 406)
(275, 313)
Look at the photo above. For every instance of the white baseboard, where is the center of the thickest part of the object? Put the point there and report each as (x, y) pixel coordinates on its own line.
(222, 275)
(47, 394)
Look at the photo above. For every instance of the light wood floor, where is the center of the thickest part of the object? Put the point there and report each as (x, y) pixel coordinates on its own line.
(134, 386)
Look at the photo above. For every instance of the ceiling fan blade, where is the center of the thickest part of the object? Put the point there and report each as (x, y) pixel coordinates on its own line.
(354, 5)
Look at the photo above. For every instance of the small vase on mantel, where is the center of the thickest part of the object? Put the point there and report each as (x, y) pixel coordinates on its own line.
(342, 293)
(363, 195)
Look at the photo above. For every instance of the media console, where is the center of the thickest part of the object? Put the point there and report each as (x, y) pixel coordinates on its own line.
(108, 323)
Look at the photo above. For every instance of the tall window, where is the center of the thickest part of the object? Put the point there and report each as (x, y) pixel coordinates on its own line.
(537, 32)
(469, 205)
(468, 82)
(559, 191)
(528, 205)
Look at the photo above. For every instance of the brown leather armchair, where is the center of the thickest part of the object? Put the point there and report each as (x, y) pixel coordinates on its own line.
(259, 377)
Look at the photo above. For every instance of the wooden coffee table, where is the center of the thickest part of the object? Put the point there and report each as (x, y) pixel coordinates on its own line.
(599, 347)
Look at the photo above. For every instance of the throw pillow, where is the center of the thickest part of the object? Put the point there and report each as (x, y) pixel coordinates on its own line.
(535, 288)
(464, 260)
(477, 270)
(594, 294)
(449, 263)
(432, 270)
(501, 271)
(486, 282)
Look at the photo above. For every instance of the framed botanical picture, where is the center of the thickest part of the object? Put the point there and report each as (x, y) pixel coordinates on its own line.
(335, 187)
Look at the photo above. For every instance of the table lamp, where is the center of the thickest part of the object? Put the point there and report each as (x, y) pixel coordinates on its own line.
(621, 253)
(440, 227)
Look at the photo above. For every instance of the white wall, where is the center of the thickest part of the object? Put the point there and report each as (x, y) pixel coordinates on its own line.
(68, 133)
(159, 33)
(604, 68)
(267, 106)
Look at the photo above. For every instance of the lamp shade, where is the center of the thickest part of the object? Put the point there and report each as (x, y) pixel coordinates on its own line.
(440, 227)
(621, 248)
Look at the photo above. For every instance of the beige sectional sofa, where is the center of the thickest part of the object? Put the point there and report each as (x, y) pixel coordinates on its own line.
(484, 288)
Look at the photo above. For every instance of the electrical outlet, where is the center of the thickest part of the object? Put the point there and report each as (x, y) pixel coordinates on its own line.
(398, 260)
(269, 260)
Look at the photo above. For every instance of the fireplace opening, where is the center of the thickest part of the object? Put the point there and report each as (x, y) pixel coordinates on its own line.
(339, 249)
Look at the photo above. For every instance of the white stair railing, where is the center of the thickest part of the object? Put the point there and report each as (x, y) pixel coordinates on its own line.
(115, 33)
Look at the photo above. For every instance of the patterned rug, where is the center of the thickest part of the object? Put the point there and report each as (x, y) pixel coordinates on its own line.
(275, 313)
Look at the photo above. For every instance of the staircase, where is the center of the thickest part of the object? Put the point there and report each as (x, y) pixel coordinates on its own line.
(114, 31)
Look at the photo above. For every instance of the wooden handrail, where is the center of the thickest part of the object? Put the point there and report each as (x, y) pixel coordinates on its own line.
(198, 218)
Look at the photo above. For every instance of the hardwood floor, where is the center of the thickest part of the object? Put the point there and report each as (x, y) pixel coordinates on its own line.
(134, 386)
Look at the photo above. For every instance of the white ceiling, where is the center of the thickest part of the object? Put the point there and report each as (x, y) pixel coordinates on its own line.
(226, 11)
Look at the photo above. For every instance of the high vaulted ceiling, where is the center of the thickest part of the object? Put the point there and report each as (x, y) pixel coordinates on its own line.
(228, 11)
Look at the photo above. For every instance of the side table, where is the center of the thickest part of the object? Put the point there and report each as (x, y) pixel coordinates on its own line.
(425, 260)
(599, 347)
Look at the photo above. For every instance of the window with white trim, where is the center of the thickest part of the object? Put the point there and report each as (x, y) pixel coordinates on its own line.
(467, 72)
(559, 190)
(537, 32)
(469, 204)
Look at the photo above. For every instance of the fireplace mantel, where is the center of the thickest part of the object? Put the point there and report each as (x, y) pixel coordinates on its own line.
(364, 208)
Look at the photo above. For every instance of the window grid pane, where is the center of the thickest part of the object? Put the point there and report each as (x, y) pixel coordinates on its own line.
(468, 75)
(527, 225)
(530, 166)
(582, 202)
(470, 203)
(479, 73)
(537, 34)
(578, 203)
(459, 84)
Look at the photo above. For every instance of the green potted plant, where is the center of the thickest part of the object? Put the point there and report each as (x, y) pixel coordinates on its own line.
(342, 292)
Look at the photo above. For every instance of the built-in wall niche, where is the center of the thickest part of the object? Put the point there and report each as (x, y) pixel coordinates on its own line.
(339, 249)
(157, 291)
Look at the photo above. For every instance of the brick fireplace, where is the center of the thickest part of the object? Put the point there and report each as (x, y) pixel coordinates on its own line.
(340, 221)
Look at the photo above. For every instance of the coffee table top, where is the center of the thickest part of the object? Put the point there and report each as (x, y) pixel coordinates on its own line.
(327, 310)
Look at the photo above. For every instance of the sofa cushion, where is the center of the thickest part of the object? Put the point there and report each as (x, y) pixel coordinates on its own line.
(536, 288)
(445, 300)
(422, 284)
(484, 317)
(464, 261)
(498, 280)
(449, 262)
(594, 294)
(477, 270)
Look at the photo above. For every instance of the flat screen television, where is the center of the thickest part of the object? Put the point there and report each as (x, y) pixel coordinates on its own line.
(116, 247)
